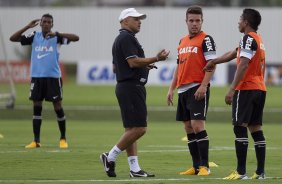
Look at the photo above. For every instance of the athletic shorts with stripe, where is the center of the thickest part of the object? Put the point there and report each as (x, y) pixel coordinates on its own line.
(189, 108)
(132, 101)
(46, 88)
(247, 107)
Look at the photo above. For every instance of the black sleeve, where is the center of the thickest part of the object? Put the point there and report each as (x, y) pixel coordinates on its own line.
(248, 43)
(208, 44)
(27, 39)
(177, 60)
(63, 41)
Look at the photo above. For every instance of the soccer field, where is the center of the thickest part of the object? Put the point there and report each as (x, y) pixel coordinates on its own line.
(161, 151)
(94, 126)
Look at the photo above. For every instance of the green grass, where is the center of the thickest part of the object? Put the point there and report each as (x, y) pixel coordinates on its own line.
(105, 95)
(93, 131)
(160, 151)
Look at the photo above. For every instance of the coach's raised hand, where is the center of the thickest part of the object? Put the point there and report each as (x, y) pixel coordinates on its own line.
(162, 55)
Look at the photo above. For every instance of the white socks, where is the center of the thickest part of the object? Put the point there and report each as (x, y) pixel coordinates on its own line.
(132, 160)
(113, 154)
(133, 163)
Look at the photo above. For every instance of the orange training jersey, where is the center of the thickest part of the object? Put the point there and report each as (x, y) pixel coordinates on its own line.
(193, 54)
(251, 47)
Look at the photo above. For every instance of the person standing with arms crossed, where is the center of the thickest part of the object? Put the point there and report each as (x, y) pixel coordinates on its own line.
(132, 69)
(192, 83)
(46, 82)
(247, 94)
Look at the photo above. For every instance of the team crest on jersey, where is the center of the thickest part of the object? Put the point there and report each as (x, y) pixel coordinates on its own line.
(44, 48)
(190, 49)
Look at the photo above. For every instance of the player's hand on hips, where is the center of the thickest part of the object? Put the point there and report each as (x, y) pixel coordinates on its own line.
(33, 23)
(162, 55)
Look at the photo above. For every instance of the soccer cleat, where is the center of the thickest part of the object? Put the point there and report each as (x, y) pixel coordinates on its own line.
(108, 166)
(258, 176)
(33, 144)
(190, 171)
(63, 144)
(204, 171)
(236, 176)
(140, 173)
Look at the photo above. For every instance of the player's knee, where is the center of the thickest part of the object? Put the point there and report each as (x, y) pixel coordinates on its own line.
(240, 131)
(140, 131)
(60, 113)
(258, 136)
(37, 110)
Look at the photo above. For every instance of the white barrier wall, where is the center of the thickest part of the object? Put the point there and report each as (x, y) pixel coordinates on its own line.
(96, 73)
(97, 28)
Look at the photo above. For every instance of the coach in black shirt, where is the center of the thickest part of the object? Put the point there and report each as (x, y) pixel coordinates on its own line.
(132, 69)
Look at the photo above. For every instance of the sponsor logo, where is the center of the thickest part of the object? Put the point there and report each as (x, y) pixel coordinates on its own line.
(249, 43)
(190, 49)
(262, 46)
(143, 80)
(44, 48)
(208, 44)
(196, 114)
(42, 55)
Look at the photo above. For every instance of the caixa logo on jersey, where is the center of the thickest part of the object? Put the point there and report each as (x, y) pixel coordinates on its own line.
(44, 48)
(103, 74)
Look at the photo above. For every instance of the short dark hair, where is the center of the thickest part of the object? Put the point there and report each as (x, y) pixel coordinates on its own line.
(252, 16)
(48, 16)
(194, 10)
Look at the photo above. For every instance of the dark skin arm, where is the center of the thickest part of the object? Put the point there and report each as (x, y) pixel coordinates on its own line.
(69, 36)
(143, 62)
(228, 56)
(16, 37)
(240, 72)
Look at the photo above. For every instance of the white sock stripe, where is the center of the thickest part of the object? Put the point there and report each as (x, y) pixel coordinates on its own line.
(191, 141)
(37, 117)
(62, 118)
(204, 139)
(260, 143)
(242, 140)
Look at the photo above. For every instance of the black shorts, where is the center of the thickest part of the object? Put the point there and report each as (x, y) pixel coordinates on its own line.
(132, 102)
(247, 107)
(46, 88)
(189, 108)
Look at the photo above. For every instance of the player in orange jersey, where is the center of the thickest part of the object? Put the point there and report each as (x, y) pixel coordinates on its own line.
(192, 83)
(247, 93)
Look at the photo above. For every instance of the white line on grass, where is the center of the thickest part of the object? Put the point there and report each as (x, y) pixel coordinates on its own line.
(150, 108)
(142, 151)
(121, 180)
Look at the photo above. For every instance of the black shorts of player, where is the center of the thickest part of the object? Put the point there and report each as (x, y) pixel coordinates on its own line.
(247, 107)
(46, 88)
(132, 101)
(189, 108)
